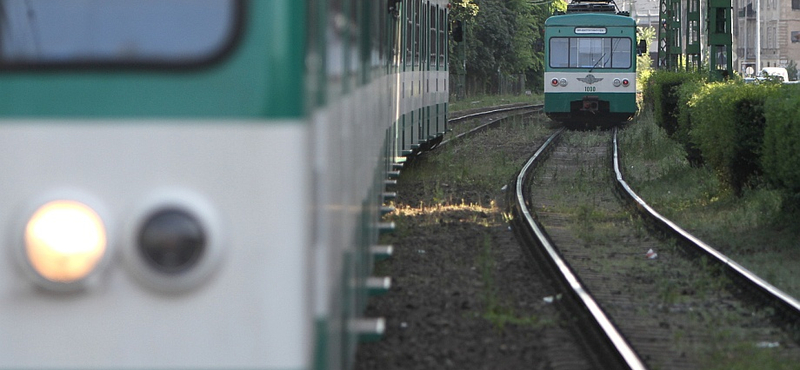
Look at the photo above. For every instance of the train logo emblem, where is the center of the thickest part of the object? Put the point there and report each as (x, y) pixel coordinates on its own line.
(590, 79)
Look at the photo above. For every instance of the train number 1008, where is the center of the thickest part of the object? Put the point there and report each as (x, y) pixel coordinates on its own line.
(589, 89)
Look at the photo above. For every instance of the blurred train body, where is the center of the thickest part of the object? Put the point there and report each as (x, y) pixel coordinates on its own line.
(198, 184)
(590, 64)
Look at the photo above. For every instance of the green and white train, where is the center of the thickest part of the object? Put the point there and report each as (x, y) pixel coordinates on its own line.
(590, 64)
(199, 183)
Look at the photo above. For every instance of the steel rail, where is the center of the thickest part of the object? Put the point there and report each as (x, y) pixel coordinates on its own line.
(489, 124)
(493, 111)
(625, 356)
(789, 304)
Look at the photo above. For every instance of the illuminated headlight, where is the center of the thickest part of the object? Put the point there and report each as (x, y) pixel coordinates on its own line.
(617, 82)
(563, 82)
(64, 241)
(172, 241)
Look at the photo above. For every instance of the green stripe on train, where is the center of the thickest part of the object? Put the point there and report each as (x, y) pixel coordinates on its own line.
(618, 102)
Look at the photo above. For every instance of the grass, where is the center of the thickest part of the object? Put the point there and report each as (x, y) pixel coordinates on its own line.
(475, 163)
(655, 167)
(482, 101)
(746, 356)
(498, 312)
(752, 229)
(659, 168)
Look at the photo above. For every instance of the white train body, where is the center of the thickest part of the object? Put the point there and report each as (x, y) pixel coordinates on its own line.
(218, 207)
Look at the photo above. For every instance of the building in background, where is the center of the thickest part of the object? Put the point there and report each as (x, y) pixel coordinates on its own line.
(778, 20)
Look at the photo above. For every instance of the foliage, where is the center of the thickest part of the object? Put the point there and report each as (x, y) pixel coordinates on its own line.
(729, 128)
(644, 63)
(686, 93)
(504, 38)
(463, 9)
(661, 91)
(782, 140)
(791, 69)
(741, 131)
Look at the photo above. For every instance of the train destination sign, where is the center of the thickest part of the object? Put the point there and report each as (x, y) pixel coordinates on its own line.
(590, 30)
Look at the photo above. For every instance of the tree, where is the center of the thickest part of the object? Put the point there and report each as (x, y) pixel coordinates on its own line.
(644, 63)
(791, 69)
(504, 39)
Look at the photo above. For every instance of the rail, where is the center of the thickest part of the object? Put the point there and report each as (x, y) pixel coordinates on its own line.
(787, 304)
(533, 107)
(609, 348)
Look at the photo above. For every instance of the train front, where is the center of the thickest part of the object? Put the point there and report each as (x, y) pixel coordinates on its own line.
(590, 68)
(155, 186)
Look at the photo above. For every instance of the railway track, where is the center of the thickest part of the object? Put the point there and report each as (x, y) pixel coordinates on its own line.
(436, 309)
(642, 312)
(787, 307)
(488, 118)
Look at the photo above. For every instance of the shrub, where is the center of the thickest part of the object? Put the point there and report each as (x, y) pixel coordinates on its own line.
(781, 151)
(728, 126)
(662, 88)
(686, 94)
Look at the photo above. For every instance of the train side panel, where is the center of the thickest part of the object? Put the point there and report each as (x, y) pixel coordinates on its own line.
(366, 119)
(239, 194)
(225, 144)
(245, 310)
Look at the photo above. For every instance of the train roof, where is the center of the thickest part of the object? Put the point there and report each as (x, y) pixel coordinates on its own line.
(592, 6)
(590, 19)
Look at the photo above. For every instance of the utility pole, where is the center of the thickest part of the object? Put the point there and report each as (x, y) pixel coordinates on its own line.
(758, 38)
(669, 35)
(720, 39)
(693, 54)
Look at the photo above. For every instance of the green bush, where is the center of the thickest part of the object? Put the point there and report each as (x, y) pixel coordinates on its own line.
(662, 89)
(686, 93)
(781, 154)
(728, 126)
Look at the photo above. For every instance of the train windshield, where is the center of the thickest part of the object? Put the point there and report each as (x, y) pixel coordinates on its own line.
(590, 52)
(115, 31)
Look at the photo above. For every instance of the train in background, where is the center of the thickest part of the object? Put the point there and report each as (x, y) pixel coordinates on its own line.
(199, 184)
(590, 64)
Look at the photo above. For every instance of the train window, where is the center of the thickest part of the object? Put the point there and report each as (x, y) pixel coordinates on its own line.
(409, 32)
(621, 52)
(63, 32)
(433, 36)
(590, 52)
(418, 33)
(443, 40)
(559, 52)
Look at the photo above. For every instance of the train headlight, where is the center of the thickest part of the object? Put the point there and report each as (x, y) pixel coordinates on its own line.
(554, 82)
(617, 82)
(171, 241)
(625, 82)
(563, 82)
(64, 241)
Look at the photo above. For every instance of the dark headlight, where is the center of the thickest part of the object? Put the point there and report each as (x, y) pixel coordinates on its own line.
(172, 241)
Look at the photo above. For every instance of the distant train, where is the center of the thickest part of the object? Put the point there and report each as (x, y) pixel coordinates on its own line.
(199, 183)
(590, 64)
